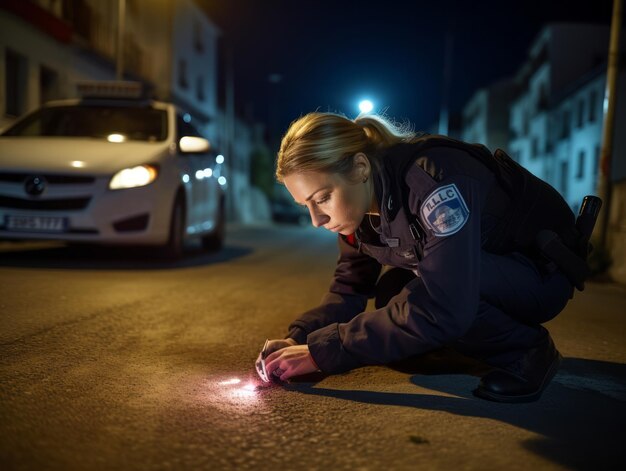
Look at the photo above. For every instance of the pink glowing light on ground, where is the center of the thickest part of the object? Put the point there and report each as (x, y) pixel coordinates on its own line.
(247, 391)
(235, 388)
(229, 382)
(232, 394)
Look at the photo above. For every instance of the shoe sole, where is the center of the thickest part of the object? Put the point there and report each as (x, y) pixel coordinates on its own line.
(491, 396)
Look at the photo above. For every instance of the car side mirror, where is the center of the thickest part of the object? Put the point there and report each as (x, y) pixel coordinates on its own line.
(193, 145)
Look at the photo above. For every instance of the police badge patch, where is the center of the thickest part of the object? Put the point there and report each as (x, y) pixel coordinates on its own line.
(445, 211)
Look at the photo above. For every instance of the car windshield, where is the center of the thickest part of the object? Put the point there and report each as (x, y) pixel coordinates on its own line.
(115, 123)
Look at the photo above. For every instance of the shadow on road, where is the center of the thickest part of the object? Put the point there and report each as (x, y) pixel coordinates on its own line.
(81, 257)
(580, 416)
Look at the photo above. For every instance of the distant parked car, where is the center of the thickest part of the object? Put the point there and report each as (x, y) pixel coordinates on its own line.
(284, 211)
(284, 208)
(110, 170)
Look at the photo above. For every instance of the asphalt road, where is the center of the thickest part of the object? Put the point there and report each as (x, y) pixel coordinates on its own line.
(111, 360)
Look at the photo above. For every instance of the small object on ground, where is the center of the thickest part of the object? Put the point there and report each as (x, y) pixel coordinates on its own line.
(260, 363)
(418, 440)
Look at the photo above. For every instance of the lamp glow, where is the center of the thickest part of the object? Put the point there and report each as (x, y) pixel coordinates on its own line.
(219, 159)
(366, 106)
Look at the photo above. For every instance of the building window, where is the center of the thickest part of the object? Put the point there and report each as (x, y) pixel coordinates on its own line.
(53, 6)
(525, 123)
(535, 148)
(566, 124)
(580, 167)
(16, 70)
(200, 88)
(182, 74)
(542, 103)
(596, 160)
(564, 178)
(80, 14)
(133, 7)
(198, 44)
(581, 113)
(593, 98)
(48, 84)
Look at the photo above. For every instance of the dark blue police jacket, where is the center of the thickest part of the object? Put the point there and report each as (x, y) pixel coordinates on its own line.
(440, 207)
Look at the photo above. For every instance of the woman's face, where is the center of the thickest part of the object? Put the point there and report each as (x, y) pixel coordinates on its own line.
(334, 201)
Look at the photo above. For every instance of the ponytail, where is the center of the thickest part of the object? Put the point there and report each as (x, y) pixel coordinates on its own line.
(326, 142)
(382, 132)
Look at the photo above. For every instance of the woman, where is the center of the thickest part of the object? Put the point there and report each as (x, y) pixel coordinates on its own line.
(456, 223)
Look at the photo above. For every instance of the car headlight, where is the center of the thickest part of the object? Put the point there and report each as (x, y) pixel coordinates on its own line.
(141, 175)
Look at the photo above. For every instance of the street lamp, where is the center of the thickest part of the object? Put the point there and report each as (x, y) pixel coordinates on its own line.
(365, 106)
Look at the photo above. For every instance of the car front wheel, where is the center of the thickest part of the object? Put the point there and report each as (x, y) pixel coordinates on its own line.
(175, 245)
(215, 240)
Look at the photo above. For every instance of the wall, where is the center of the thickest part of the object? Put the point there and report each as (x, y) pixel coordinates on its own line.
(193, 66)
(39, 49)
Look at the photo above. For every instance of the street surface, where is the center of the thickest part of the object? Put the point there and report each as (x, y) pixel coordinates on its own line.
(111, 360)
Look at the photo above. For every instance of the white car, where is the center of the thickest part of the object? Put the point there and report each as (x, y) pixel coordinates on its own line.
(110, 171)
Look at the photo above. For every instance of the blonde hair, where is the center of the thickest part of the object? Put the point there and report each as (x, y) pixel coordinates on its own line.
(326, 142)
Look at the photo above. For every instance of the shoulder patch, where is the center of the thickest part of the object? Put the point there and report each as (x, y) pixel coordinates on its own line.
(444, 211)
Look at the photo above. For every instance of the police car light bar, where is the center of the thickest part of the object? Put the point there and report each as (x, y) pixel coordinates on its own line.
(112, 89)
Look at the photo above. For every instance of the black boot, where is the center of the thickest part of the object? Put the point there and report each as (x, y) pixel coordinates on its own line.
(525, 379)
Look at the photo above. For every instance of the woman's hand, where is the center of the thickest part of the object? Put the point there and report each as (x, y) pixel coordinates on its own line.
(290, 361)
(277, 344)
(270, 347)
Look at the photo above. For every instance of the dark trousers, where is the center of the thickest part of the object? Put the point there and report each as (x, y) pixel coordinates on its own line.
(515, 299)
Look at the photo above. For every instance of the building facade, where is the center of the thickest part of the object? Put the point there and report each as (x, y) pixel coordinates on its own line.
(556, 121)
(575, 138)
(486, 115)
(559, 56)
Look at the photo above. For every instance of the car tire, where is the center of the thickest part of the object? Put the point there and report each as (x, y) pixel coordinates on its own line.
(174, 248)
(215, 240)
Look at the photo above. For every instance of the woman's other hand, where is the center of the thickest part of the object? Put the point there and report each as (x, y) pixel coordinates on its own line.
(277, 344)
(295, 360)
(270, 347)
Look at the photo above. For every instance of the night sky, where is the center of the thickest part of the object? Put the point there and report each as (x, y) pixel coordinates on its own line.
(331, 54)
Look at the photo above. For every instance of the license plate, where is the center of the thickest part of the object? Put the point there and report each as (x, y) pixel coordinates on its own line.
(35, 223)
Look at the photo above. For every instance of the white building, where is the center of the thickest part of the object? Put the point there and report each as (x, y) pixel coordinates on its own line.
(555, 121)
(545, 106)
(559, 56)
(193, 64)
(486, 115)
(576, 137)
